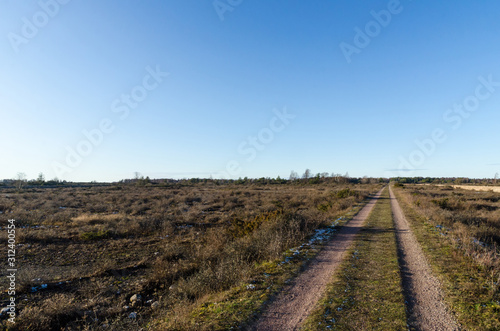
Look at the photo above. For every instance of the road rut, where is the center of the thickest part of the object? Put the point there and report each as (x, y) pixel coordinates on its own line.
(425, 305)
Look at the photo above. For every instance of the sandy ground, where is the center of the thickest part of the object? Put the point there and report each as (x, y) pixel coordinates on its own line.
(291, 307)
(426, 308)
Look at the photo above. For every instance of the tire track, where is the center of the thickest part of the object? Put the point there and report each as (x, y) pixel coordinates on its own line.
(296, 301)
(424, 298)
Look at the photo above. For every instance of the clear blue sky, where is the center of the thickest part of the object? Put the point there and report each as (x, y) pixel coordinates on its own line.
(359, 101)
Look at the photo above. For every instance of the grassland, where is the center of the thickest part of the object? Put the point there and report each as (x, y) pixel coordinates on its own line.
(201, 256)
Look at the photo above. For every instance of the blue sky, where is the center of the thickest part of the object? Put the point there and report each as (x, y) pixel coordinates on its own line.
(186, 88)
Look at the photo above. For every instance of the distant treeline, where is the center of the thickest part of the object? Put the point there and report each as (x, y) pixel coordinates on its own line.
(10, 183)
(317, 179)
(320, 178)
(445, 180)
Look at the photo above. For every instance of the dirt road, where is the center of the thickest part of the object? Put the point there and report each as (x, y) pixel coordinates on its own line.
(290, 308)
(422, 290)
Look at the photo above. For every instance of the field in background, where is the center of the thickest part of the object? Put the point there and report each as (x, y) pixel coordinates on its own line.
(128, 256)
(478, 188)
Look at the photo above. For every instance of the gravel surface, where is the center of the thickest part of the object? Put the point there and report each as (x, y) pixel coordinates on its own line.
(424, 298)
(295, 302)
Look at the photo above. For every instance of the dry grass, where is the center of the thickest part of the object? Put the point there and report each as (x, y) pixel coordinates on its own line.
(478, 188)
(177, 245)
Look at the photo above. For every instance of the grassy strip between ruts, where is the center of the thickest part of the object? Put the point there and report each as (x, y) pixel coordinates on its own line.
(467, 287)
(240, 305)
(366, 294)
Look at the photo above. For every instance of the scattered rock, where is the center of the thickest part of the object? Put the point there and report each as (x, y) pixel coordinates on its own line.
(4, 311)
(136, 298)
(251, 287)
(133, 315)
(155, 305)
(126, 308)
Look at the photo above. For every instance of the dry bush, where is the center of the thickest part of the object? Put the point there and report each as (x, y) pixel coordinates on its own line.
(50, 314)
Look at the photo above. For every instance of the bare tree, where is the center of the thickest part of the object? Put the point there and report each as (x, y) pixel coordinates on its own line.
(343, 179)
(307, 174)
(294, 175)
(20, 180)
(495, 180)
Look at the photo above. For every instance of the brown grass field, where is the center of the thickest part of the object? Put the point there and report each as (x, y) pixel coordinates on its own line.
(201, 256)
(478, 188)
(469, 211)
